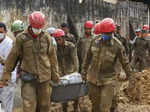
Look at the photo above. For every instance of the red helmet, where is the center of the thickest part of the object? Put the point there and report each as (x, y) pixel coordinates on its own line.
(107, 25)
(37, 20)
(145, 27)
(58, 33)
(88, 24)
(97, 29)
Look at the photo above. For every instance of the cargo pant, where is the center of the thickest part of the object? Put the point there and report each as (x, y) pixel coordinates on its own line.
(101, 97)
(140, 61)
(36, 96)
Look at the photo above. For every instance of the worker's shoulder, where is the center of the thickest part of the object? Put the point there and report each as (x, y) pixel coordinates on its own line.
(69, 44)
(21, 37)
(70, 35)
(45, 35)
(96, 40)
(117, 42)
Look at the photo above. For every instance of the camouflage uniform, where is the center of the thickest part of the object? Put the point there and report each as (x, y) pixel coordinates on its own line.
(67, 58)
(69, 37)
(39, 59)
(140, 47)
(82, 48)
(100, 71)
(123, 41)
(68, 63)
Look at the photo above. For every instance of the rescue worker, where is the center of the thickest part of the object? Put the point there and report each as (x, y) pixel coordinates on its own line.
(68, 36)
(67, 59)
(84, 42)
(99, 66)
(147, 37)
(51, 30)
(138, 32)
(38, 65)
(122, 39)
(17, 27)
(6, 93)
(131, 43)
(141, 47)
(145, 29)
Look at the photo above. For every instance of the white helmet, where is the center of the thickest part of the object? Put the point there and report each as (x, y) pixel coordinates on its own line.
(50, 30)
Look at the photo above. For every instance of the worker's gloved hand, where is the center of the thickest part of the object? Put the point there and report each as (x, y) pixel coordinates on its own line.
(84, 77)
(122, 76)
(56, 78)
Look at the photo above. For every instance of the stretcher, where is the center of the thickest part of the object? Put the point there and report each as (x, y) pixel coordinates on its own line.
(69, 88)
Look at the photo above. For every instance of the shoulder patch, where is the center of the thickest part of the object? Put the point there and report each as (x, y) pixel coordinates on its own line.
(22, 37)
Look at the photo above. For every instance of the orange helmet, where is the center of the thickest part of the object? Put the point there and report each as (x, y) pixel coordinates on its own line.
(107, 25)
(88, 24)
(97, 29)
(58, 33)
(37, 20)
(145, 27)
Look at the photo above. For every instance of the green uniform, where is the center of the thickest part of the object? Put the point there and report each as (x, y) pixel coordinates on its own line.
(69, 37)
(67, 58)
(141, 46)
(39, 59)
(99, 67)
(82, 48)
(68, 63)
(123, 41)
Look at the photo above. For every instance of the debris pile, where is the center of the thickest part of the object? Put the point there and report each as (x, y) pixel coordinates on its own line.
(135, 97)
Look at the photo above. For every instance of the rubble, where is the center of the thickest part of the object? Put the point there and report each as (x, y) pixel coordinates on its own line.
(135, 97)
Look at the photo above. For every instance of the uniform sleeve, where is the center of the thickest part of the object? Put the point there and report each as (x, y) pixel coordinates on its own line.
(53, 61)
(12, 59)
(86, 61)
(135, 43)
(79, 51)
(73, 39)
(126, 45)
(125, 62)
(75, 59)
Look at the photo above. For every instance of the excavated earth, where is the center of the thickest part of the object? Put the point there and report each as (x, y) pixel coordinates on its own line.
(134, 95)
